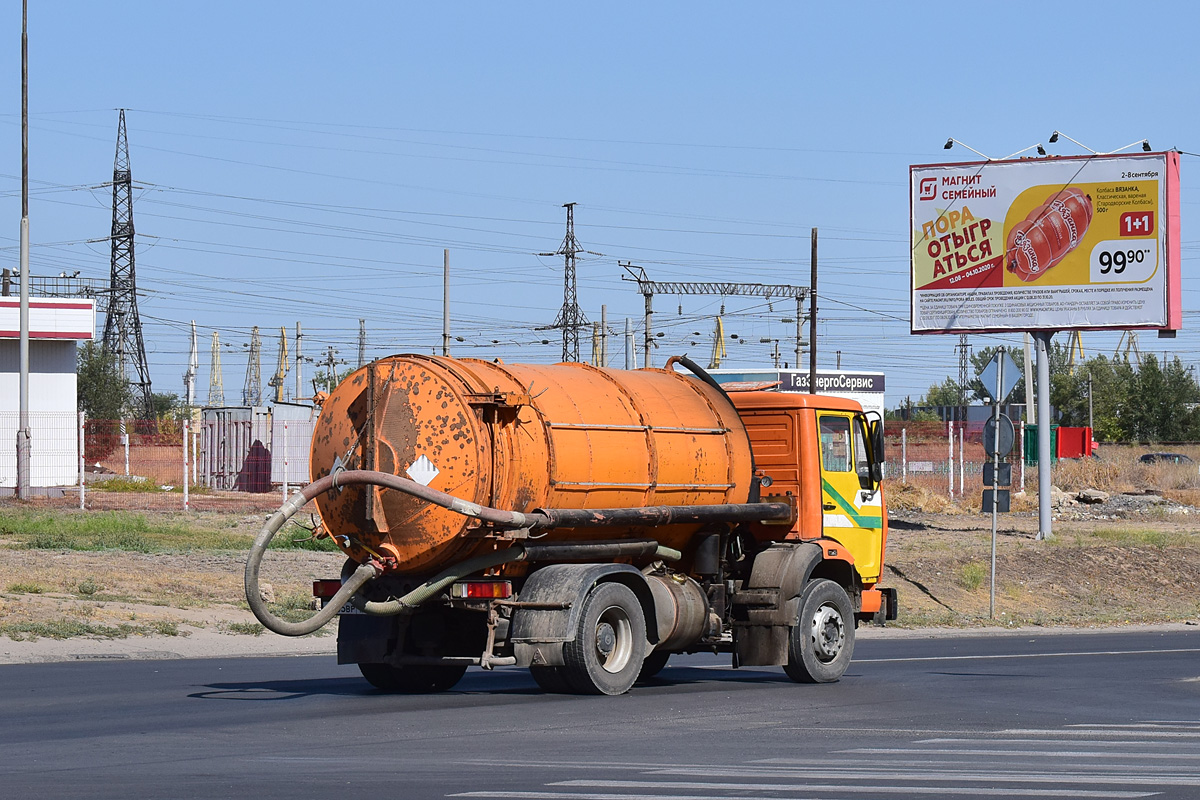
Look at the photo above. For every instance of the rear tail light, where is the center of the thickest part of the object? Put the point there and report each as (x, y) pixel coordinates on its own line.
(482, 589)
(327, 588)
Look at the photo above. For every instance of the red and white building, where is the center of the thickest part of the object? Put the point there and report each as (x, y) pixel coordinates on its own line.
(56, 326)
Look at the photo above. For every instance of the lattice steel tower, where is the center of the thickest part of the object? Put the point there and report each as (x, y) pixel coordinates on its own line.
(570, 317)
(252, 391)
(122, 326)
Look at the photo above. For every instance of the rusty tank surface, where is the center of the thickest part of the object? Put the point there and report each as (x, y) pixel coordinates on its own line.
(520, 437)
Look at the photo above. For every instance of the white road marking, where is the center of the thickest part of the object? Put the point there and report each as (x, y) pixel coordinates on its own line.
(945, 751)
(710, 796)
(967, 775)
(1001, 656)
(839, 787)
(1098, 733)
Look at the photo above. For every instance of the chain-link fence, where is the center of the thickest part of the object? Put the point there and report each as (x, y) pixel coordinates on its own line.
(250, 459)
(945, 457)
(213, 462)
(53, 452)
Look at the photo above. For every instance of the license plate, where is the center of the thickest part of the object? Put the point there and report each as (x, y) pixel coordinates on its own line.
(346, 609)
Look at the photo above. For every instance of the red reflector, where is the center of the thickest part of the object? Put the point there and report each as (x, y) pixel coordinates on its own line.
(489, 590)
(326, 588)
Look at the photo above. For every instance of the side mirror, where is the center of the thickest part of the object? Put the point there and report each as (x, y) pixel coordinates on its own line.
(877, 458)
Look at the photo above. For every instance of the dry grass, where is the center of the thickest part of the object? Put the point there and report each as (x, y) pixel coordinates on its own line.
(1117, 469)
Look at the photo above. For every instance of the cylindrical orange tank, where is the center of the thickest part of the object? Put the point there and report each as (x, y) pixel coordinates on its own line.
(520, 437)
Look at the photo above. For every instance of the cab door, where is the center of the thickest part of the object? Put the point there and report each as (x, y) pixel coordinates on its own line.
(852, 506)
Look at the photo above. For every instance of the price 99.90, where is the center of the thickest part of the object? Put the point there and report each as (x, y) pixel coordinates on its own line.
(1112, 262)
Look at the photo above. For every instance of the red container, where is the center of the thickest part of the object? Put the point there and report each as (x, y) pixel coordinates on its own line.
(1074, 442)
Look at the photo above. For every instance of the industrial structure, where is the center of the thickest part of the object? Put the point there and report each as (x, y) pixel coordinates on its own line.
(570, 317)
(122, 325)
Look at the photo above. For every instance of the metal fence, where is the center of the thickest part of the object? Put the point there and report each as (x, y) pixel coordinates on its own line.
(251, 458)
(216, 462)
(54, 449)
(945, 457)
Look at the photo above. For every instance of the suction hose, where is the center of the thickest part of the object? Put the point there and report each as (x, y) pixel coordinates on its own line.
(367, 572)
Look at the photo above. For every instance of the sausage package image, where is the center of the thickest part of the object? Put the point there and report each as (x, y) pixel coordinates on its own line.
(1048, 233)
(1046, 244)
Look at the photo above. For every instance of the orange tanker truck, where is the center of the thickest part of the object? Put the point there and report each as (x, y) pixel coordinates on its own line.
(587, 523)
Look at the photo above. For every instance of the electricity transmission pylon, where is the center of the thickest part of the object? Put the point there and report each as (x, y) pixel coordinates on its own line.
(252, 389)
(122, 325)
(570, 318)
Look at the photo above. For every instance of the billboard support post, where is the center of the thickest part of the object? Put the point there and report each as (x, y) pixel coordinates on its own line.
(1045, 457)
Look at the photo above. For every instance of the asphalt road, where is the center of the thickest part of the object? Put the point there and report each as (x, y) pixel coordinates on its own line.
(1043, 715)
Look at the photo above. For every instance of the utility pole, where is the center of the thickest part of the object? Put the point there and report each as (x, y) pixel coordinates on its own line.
(1090, 427)
(962, 349)
(24, 435)
(570, 317)
(603, 336)
(122, 325)
(299, 363)
(812, 320)
(362, 343)
(446, 303)
(799, 330)
(331, 363)
(1030, 404)
(629, 349)
(189, 377)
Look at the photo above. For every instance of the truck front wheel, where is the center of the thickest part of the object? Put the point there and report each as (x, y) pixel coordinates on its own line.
(822, 640)
(412, 678)
(610, 642)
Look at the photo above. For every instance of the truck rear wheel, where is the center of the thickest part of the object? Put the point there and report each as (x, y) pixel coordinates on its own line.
(610, 642)
(822, 640)
(412, 678)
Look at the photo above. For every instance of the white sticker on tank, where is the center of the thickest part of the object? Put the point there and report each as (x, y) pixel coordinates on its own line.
(422, 471)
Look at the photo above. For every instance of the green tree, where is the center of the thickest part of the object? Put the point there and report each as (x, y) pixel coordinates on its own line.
(945, 393)
(1110, 382)
(164, 404)
(1160, 403)
(103, 391)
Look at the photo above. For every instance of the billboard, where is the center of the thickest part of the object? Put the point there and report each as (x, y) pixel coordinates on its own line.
(1071, 243)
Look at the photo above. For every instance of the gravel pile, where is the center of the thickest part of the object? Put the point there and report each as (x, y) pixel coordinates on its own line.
(1094, 504)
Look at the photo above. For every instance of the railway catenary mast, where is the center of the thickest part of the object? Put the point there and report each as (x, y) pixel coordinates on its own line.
(649, 288)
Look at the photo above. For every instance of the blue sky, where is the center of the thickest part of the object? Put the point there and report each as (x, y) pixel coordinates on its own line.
(310, 161)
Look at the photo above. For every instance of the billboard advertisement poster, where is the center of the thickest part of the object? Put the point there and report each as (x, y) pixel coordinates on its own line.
(1081, 242)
